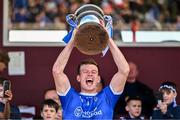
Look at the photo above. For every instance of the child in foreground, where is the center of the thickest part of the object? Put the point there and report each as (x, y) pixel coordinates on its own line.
(49, 110)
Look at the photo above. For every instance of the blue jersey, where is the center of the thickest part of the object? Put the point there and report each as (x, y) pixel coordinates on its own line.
(80, 106)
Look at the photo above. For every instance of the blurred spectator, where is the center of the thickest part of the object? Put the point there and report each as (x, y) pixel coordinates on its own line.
(21, 15)
(167, 107)
(152, 14)
(5, 114)
(11, 110)
(4, 60)
(134, 108)
(135, 87)
(49, 109)
(52, 94)
(74, 5)
(42, 19)
(51, 9)
(34, 8)
(20, 3)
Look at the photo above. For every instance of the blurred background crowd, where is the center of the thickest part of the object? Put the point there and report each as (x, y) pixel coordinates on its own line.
(51, 14)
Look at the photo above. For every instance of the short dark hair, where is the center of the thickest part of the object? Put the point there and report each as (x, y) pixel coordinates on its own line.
(85, 62)
(51, 103)
(4, 57)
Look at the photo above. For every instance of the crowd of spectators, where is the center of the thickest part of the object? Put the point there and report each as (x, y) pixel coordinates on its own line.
(51, 14)
(127, 14)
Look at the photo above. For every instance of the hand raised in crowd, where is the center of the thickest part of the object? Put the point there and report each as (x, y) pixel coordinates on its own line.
(163, 107)
(9, 95)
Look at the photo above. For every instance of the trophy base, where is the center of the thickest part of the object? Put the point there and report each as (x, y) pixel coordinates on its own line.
(91, 38)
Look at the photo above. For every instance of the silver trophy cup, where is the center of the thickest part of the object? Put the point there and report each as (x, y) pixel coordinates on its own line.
(91, 37)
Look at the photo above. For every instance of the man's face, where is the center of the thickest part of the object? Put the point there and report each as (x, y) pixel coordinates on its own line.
(2, 66)
(88, 78)
(134, 107)
(51, 94)
(48, 113)
(133, 73)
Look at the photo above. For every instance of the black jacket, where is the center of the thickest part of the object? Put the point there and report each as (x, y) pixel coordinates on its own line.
(128, 117)
(172, 113)
(15, 113)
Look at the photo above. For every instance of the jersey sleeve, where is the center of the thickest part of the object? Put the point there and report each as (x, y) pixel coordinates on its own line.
(111, 97)
(65, 99)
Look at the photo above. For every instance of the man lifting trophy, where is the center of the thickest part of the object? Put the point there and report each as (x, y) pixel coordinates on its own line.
(92, 36)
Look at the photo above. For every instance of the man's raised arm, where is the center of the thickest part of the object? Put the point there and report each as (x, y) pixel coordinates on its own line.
(61, 80)
(119, 79)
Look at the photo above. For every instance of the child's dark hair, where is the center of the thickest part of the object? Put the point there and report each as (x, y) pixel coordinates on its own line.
(51, 103)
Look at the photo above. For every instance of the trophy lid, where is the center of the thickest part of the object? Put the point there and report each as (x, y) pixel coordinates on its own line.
(89, 9)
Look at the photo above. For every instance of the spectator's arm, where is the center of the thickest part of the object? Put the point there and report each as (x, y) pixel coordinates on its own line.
(7, 109)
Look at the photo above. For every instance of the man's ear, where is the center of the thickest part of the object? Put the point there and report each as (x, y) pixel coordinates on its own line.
(78, 78)
(41, 114)
(99, 79)
(175, 94)
(127, 108)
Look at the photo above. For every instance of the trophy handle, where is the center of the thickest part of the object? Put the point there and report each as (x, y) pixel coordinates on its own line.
(109, 25)
(71, 20)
